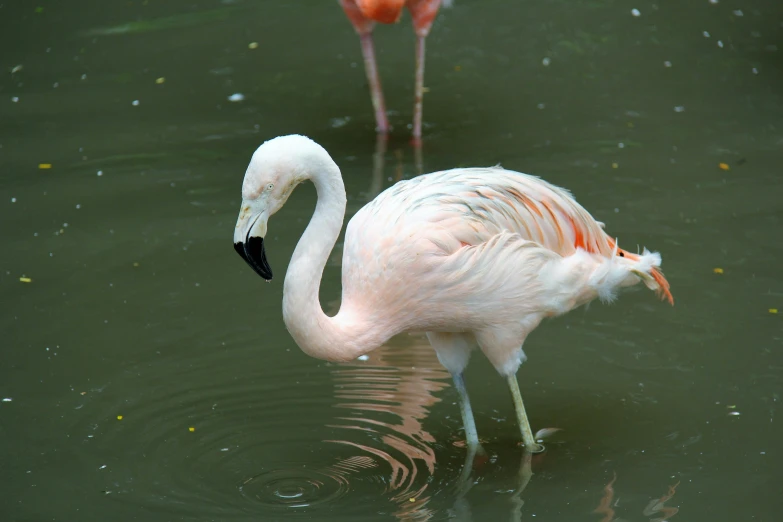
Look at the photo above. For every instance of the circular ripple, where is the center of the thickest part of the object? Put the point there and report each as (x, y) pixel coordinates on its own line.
(294, 488)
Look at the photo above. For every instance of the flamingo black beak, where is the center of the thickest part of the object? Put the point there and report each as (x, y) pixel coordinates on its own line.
(252, 251)
(249, 237)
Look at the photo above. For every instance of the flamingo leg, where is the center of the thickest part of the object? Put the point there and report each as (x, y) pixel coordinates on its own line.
(471, 435)
(418, 100)
(371, 68)
(524, 425)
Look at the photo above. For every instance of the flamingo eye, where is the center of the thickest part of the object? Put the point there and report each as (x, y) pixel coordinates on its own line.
(622, 254)
(270, 186)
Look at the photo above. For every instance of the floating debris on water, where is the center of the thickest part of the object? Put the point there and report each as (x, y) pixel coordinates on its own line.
(720, 44)
(160, 80)
(236, 97)
(7, 399)
(723, 166)
(615, 165)
(135, 103)
(103, 467)
(363, 358)
(773, 310)
(191, 429)
(636, 12)
(25, 279)
(15, 99)
(734, 413)
(679, 108)
(336, 123)
(667, 63)
(546, 61)
(100, 173)
(16, 68)
(119, 417)
(706, 34)
(545, 432)
(755, 71)
(13, 200)
(252, 45)
(738, 12)
(44, 166)
(717, 270)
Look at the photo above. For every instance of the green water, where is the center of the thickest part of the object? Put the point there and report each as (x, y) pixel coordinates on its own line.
(139, 307)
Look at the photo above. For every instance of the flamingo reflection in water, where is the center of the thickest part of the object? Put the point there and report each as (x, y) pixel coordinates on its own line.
(657, 505)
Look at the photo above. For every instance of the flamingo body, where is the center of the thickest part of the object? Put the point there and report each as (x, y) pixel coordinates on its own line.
(475, 257)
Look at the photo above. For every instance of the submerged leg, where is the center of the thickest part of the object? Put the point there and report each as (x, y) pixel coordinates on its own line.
(471, 435)
(524, 425)
(453, 350)
(364, 27)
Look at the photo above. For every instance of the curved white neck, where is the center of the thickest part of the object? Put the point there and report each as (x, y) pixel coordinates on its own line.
(339, 338)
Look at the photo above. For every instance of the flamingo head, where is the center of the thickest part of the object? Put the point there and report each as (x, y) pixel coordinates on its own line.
(275, 169)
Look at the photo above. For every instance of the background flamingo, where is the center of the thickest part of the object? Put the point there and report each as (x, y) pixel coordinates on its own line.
(363, 14)
(474, 257)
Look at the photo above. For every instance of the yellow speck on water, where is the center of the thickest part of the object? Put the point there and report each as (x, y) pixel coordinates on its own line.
(44, 166)
(119, 417)
(135, 264)
(773, 310)
(457, 68)
(160, 80)
(252, 45)
(717, 270)
(25, 280)
(615, 165)
(723, 166)
(191, 429)
(412, 499)
(83, 393)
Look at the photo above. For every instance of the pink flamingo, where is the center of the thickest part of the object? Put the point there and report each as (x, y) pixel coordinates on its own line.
(473, 256)
(363, 14)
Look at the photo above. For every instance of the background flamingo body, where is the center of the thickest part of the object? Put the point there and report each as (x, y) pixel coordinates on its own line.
(475, 257)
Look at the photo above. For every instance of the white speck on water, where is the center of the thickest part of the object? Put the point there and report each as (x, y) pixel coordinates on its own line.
(734, 413)
(15, 99)
(236, 97)
(713, 1)
(720, 44)
(636, 12)
(7, 399)
(17, 68)
(763, 452)
(546, 61)
(103, 467)
(541, 106)
(223, 449)
(679, 108)
(78, 206)
(621, 145)
(706, 34)
(363, 358)
(616, 210)
(738, 12)
(755, 71)
(84, 76)
(65, 225)
(336, 123)
(100, 173)
(56, 84)
(667, 63)
(13, 200)
(135, 103)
